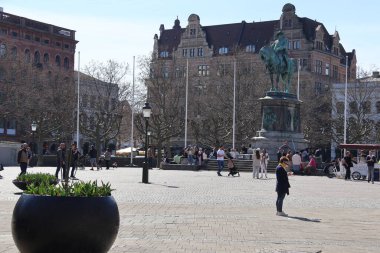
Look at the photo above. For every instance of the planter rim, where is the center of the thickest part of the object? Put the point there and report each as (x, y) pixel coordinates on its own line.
(36, 195)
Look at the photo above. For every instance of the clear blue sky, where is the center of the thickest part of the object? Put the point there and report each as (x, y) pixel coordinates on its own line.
(121, 29)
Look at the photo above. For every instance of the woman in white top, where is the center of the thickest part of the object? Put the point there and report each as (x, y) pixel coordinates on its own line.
(256, 163)
(264, 158)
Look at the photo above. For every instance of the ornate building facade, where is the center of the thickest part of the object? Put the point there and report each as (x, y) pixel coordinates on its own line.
(201, 53)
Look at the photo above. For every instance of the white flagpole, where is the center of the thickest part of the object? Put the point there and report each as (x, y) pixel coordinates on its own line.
(234, 108)
(298, 80)
(132, 107)
(78, 146)
(186, 97)
(345, 106)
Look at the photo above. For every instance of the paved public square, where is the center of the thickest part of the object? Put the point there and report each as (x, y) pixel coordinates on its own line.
(197, 211)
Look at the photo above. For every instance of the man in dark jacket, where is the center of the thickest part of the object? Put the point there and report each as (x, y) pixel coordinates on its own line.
(61, 161)
(282, 185)
(22, 158)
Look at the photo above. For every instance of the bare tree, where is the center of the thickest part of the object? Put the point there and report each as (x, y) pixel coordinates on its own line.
(102, 109)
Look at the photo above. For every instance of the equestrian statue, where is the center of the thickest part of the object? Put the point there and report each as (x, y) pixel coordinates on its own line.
(278, 63)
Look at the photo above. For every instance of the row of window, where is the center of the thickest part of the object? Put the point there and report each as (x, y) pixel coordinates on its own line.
(93, 101)
(354, 107)
(319, 46)
(199, 52)
(36, 56)
(45, 41)
(319, 69)
(7, 127)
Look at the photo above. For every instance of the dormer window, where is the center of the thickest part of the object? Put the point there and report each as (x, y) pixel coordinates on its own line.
(223, 50)
(250, 48)
(164, 54)
(192, 31)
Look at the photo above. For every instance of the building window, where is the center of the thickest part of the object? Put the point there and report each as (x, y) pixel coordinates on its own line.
(327, 71)
(366, 107)
(203, 70)
(336, 51)
(3, 50)
(66, 64)
(223, 50)
(184, 52)
(318, 67)
(200, 51)
(179, 72)
(223, 69)
(378, 106)
(296, 44)
(250, 48)
(287, 23)
(165, 72)
(36, 57)
(318, 88)
(353, 107)
(37, 39)
(47, 41)
(28, 37)
(46, 58)
(84, 101)
(27, 55)
(319, 45)
(340, 107)
(335, 72)
(192, 52)
(92, 101)
(192, 31)
(66, 46)
(4, 31)
(11, 127)
(14, 34)
(57, 44)
(2, 126)
(164, 54)
(58, 61)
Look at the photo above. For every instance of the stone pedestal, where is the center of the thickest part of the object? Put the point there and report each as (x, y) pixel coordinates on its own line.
(281, 123)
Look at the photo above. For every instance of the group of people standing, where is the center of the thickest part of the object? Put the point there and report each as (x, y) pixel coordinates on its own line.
(260, 163)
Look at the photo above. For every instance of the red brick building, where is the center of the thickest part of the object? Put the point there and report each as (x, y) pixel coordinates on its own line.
(43, 46)
(321, 55)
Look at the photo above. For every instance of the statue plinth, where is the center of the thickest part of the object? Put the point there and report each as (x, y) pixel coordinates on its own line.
(280, 112)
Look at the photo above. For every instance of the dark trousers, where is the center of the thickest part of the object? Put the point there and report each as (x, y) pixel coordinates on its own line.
(108, 164)
(73, 168)
(220, 165)
(280, 200)
(348, 173)
(23, 167)
(64, 170)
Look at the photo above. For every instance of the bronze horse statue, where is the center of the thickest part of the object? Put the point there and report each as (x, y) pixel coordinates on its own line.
(276, 66)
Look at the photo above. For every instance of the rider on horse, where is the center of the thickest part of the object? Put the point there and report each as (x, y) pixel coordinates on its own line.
(280, 46)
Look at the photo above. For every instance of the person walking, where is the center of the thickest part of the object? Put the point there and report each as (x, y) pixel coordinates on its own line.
(74, 156)
(220, 159)
(371, 159)
(264, 158)
(347, 162)
(22, 158)
(282, 185)
(107, 158)
(93, 153)
(256, 163)
(61, 161)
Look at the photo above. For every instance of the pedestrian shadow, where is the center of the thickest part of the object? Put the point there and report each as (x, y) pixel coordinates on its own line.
(304, 219)
(165, 185)
(18, 193)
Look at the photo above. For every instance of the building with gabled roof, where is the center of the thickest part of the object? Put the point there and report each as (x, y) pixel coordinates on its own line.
(321, 56)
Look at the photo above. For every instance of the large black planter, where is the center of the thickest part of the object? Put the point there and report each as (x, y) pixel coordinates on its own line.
(45, 224)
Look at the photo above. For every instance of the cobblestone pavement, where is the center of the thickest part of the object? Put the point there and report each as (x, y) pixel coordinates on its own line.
(188, 211)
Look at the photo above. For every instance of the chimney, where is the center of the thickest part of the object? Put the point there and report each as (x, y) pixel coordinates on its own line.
(375, 74)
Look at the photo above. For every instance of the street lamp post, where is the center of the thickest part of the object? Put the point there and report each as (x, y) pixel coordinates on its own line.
(147, 110)
(34, 128)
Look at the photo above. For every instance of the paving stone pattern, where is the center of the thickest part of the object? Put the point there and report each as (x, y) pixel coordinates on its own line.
(197, 211)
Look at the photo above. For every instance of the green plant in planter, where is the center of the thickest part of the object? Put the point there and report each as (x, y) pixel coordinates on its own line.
(24, 180)
(77, 189)
(36, 178)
